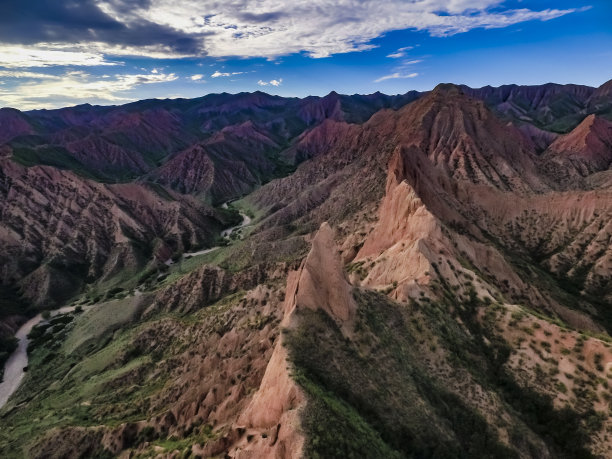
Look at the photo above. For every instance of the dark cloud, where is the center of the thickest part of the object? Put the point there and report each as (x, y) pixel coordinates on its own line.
(28, 22)
(261, 18)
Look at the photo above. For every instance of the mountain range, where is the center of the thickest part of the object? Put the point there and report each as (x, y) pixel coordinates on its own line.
(418, 275)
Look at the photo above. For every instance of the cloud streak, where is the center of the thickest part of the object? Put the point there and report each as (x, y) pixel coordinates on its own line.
(396, 75)
(400, 52)
(47, 56)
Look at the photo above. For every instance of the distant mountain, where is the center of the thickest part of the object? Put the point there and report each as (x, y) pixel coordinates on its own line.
(551, 107)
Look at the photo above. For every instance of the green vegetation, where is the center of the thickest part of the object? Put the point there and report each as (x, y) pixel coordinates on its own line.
(100, 367)
(197, 434)
(413, 415)
(371, 397)
(75, 363)
(231, 216)
(101, 320)
(249, 208)
(565, 431)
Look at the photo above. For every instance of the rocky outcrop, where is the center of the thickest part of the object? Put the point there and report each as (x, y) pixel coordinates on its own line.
(189, 171)
(319, 284)
(275, 406)
(322, 283)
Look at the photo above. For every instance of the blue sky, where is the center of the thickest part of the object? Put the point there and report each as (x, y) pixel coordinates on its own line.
(116, 51)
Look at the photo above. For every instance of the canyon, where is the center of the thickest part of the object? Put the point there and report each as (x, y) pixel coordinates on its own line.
(417, 275)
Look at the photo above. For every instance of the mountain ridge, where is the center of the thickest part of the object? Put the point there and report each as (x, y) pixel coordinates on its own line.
(426, 276)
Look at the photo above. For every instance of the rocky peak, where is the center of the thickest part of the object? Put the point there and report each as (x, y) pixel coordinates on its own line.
(321, 283)
(447, 89)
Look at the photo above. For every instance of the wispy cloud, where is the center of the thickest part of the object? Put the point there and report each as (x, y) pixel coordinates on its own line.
(403, 69)
(75, 87)
(197, 77)
(21, 74)
(279, 27)
(271, 82)
(395, 76)
(401, 52)
(96, 33)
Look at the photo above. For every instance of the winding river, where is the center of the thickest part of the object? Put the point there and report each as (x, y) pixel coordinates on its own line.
(14, 367)
(246, 221)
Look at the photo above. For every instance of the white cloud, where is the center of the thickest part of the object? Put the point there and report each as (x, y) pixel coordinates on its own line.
(197, 77)
(243, 28)
(76, 87)
(320, 28)
(47, 56)
(271, 82)
(218, 74)
(395, 76)
(400, 52)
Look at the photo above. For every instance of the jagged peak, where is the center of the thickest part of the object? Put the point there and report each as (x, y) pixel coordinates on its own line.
(322, 283)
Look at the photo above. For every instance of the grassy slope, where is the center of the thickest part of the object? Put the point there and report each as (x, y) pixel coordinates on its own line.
(372, 392)
(71, 366)
(92, 369)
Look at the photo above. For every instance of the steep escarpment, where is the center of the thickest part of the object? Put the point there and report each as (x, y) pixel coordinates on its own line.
(12, 124)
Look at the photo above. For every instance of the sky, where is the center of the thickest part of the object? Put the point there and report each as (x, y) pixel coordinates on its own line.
(56, 53)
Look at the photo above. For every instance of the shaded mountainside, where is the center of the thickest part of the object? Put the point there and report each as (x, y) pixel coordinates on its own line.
(125, 142)
(60, 231)
(424, 276)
